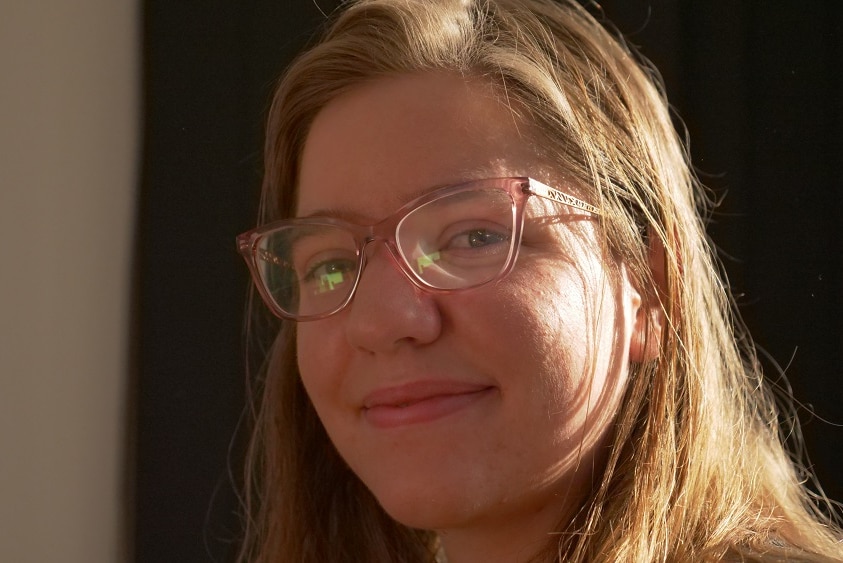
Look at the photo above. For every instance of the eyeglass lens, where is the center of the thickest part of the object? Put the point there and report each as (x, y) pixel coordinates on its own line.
(456, 241)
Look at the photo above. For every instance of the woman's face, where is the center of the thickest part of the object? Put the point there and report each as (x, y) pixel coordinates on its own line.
(478, 412)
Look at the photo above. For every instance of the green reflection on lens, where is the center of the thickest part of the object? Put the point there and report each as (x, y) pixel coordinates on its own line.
(426, 260)
(328, 281)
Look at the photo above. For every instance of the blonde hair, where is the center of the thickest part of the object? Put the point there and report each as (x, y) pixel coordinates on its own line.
(698, 470)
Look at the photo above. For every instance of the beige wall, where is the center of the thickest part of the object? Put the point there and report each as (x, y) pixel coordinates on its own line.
(68, 167)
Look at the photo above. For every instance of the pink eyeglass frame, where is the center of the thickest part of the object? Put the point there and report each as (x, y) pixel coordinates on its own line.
(519, 189)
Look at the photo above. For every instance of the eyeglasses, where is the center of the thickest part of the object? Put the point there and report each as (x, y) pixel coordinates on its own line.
(452, 239)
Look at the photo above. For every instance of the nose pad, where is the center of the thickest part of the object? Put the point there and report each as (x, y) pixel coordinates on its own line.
(388, 308)
(382, 249)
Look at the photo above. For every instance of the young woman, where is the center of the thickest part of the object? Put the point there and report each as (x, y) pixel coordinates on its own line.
(505, 336)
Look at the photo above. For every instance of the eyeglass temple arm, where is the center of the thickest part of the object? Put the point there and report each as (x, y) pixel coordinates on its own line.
(545, 191)
(246, 248)
(268, 256)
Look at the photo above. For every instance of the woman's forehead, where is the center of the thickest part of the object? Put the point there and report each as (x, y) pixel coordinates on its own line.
(389, 140)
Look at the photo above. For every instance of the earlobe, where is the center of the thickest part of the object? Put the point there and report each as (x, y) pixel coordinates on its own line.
(645, 342)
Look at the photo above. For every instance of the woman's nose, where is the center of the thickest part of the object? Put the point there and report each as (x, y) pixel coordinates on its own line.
(388, 310)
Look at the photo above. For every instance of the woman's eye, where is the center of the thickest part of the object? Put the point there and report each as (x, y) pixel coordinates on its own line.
(324, 276)
(478, 238)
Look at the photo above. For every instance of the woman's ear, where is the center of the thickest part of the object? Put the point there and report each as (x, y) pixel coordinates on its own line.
(650, 317)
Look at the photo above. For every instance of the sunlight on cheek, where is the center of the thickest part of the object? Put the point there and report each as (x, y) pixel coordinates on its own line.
(585, 307)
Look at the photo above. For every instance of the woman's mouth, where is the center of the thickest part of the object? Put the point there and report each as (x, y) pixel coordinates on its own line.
(420, 402)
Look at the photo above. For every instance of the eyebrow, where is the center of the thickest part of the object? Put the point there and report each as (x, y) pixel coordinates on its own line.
(346, 214)
(338, 213)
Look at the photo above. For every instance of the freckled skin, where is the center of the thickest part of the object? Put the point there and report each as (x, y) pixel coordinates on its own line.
(550, 340)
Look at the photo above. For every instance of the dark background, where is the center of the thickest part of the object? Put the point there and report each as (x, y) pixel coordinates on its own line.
(757, 83)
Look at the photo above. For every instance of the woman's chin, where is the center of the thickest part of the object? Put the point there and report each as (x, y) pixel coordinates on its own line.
(423, 511)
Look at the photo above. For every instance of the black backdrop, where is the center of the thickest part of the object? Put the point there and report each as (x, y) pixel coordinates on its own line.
(758, 84)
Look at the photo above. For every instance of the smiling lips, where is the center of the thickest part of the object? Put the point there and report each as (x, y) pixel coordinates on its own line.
(416, 403)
